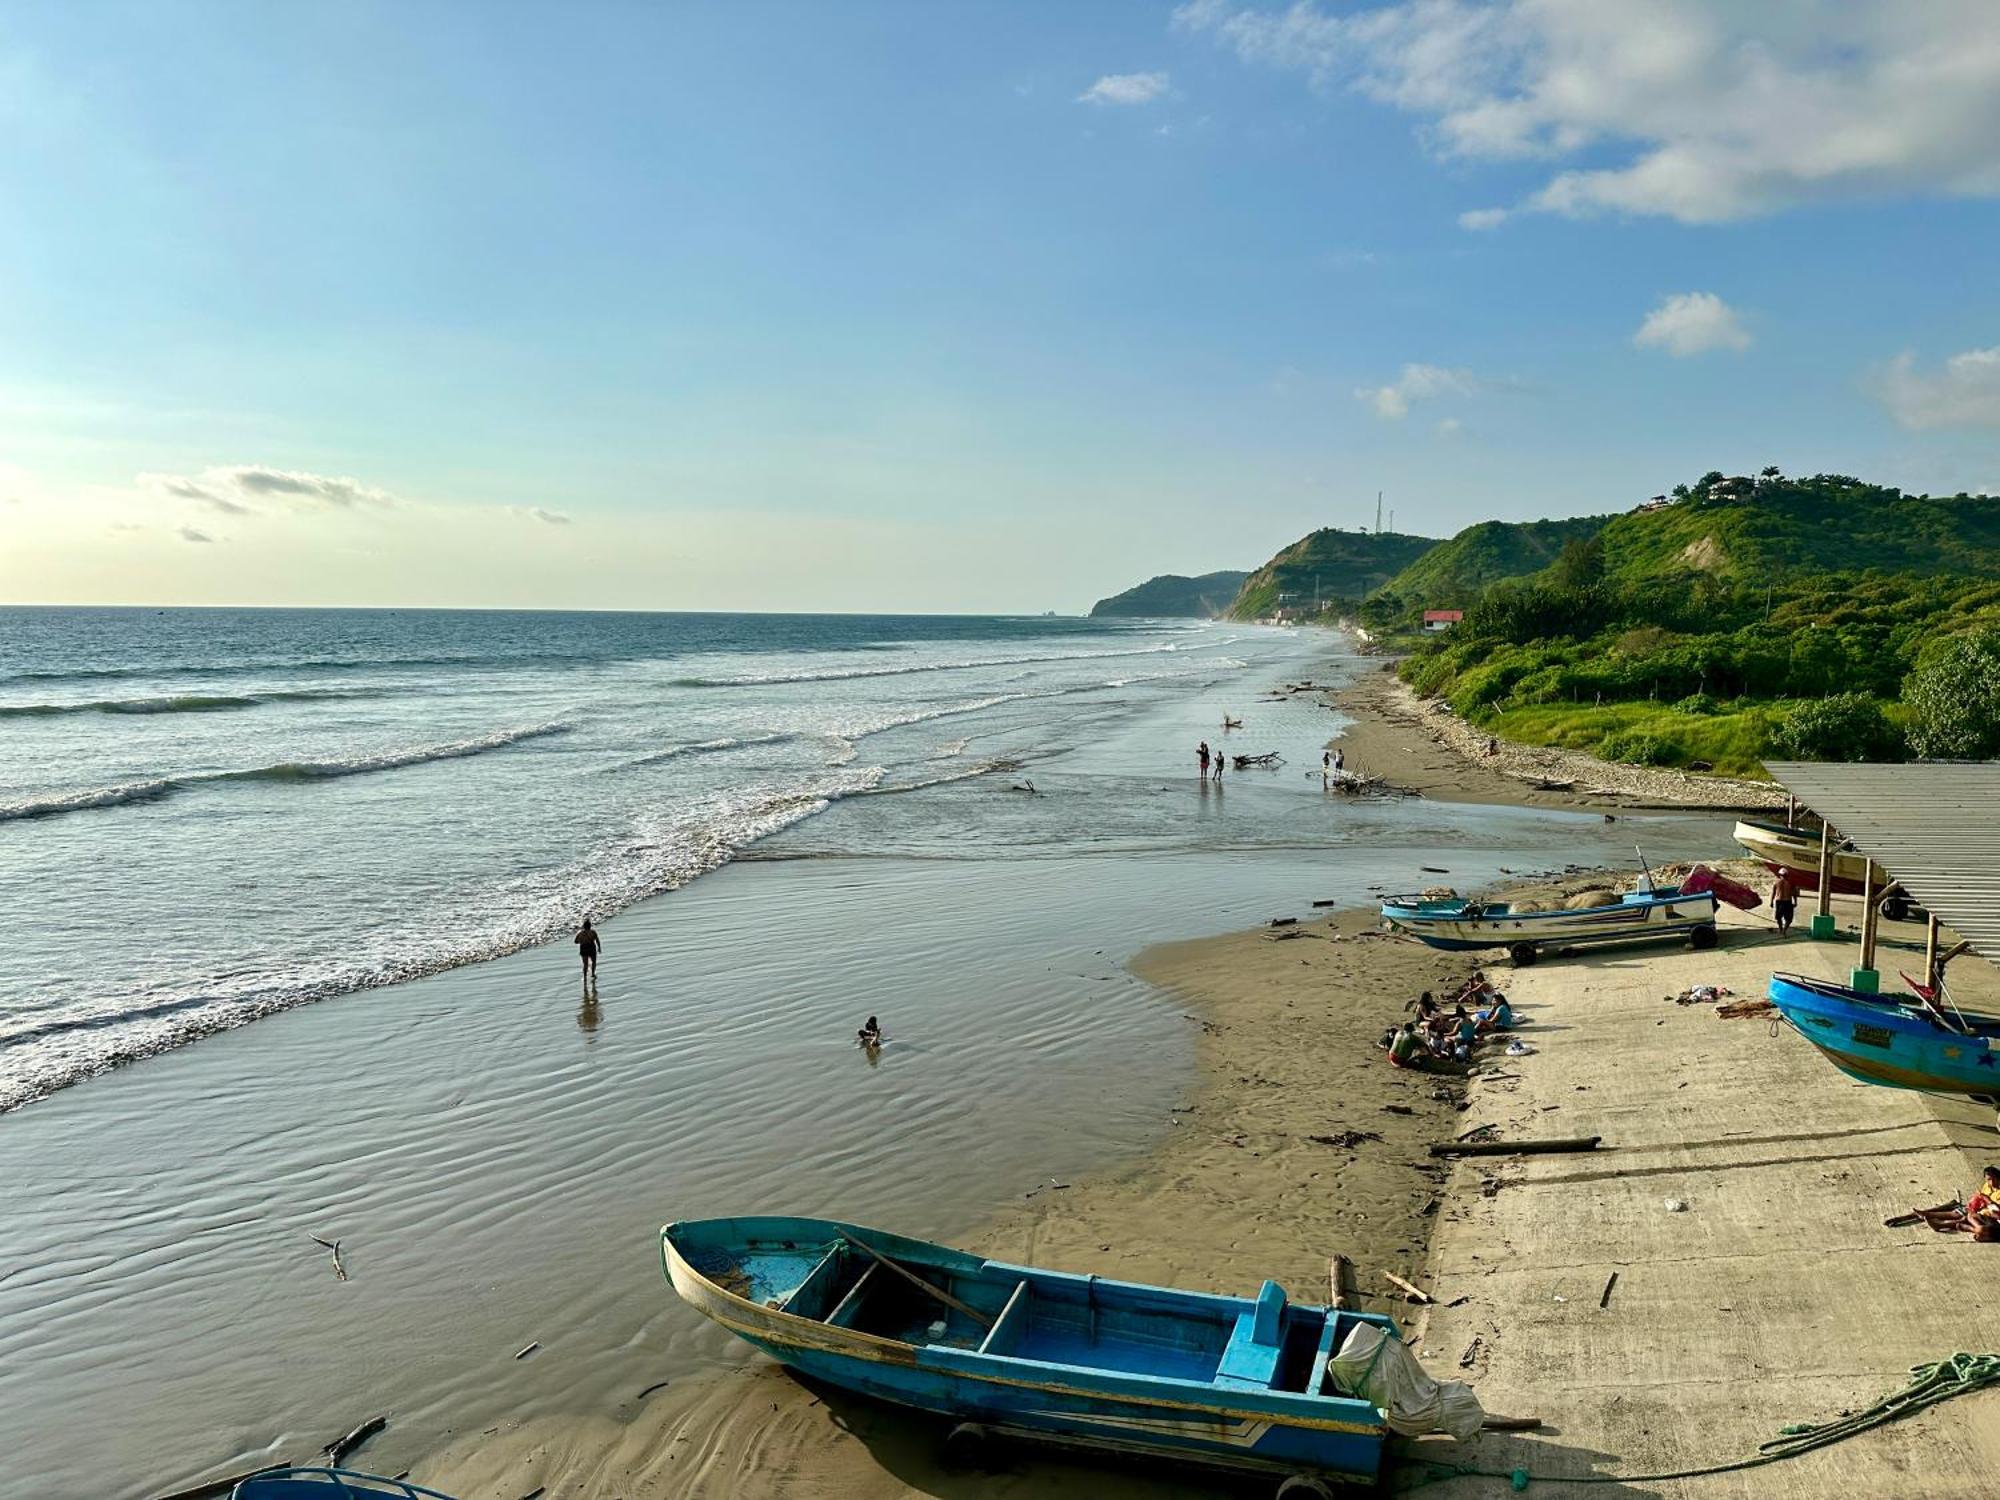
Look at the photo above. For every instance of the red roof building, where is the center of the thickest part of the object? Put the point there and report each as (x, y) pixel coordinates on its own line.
(1442, 619)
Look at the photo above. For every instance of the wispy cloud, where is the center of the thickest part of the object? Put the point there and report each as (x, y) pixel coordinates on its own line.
(1418, 382)
(1692, 323)
(192, 534)
(1699, 110)
(546, 517)
(1482, 218)
(247, 489)
(1965, 392)
(1125, 88)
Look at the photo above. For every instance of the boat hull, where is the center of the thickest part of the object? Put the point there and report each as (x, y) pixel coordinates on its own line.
(1795, 851)
(1123, 1412)
(1464, 926)
(1891, 1040)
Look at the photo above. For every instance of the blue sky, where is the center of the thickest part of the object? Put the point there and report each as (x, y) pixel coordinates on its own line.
(937, 305)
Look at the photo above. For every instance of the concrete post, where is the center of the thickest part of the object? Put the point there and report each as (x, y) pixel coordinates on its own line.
(1864, 978)
(1822, 922)
(1931, 953)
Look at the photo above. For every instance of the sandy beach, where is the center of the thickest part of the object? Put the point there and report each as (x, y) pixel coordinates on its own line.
(1422, 745)
(1238, 1190)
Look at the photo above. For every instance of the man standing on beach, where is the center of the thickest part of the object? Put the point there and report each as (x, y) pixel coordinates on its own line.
(1784, 901)
(587, 944)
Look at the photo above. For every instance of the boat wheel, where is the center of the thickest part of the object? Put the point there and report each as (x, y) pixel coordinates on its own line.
(1305, 1487)
(1523, 955)
(968, 1445)
(1703, 936)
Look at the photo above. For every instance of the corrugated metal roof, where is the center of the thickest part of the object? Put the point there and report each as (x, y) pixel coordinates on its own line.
(1934, 827)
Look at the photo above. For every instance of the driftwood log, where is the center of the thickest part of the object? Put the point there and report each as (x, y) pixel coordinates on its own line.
(1509, 1148)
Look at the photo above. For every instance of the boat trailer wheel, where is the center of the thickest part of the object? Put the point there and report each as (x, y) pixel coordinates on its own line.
(1305, 1487)
(1524, 956)
(1702, 936)
(968, 1445)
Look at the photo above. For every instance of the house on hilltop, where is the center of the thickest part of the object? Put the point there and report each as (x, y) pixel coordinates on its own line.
(1436, 620)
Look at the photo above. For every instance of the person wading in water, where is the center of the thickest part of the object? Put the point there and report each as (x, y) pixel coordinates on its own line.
(587, 944)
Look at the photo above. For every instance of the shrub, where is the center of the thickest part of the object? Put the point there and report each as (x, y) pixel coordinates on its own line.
(1700, 705)
(1641, 747)
(1954, 700)
(1844, 726)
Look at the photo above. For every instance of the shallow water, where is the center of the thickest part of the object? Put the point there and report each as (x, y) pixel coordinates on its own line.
(496, 1156)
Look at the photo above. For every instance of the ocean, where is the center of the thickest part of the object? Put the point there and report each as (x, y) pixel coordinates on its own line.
(207, 816)
(212, 818)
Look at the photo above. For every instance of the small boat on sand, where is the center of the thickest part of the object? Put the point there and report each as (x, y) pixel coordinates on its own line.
(1457, 923)
(328, 1484)
(1899, 1041)
(1012, 1351)
(1780, 849)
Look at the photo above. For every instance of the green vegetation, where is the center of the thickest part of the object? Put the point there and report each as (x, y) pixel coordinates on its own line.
(1811, 619)
(1954, 698)
(1171, 595)
(1332, 566)
(1454, 573)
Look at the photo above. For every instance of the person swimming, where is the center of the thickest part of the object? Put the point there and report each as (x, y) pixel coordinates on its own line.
(869, 1035)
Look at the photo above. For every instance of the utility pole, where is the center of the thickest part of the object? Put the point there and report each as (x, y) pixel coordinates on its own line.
(1378, 513)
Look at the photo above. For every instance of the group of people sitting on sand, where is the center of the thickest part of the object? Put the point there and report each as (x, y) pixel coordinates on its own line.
(1436, 1035)
(1978, 1216)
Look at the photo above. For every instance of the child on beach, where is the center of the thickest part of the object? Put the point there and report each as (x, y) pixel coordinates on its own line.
(587, 944)
(869, 1035)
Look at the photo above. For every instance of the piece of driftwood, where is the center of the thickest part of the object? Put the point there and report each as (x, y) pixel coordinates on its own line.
(1330, 901)
(340, 1447)
(223, 1486)
(658, 1385)
(1605, 1300)
(530, 1349)
(1415, 1293)
(1340, 1282)
(1283, 921)
(1268, 758)
(1511, 1424)
(339, 1266)
(1508, 1148)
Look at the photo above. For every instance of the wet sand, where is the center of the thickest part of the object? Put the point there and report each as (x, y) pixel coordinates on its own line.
(1237, 1191)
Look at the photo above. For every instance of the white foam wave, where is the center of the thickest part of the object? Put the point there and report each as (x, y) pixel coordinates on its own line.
(846, 674)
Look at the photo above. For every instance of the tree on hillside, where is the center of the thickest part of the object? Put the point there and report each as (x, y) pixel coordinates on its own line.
(1770, 473)
(1845, 726)
(1955, 697)
(1581, 562)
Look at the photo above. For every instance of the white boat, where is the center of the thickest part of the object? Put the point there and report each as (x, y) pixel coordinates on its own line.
(1796, 850)
(1456, 923)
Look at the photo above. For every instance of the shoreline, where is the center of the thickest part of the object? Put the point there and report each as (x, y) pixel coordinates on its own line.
(1421, 745)
(1236, 1191)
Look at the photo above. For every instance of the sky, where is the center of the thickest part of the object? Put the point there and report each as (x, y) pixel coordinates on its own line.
(933, 305)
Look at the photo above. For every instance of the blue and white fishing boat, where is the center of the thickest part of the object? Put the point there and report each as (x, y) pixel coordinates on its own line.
(1456, 922)
(328, 1484)
(1077, 1361)
(1899, 1041)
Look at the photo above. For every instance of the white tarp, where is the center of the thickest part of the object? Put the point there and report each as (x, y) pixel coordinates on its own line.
(1376, 1366)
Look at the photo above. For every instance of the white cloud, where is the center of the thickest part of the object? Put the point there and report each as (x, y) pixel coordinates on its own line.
(1482, 218)
(1417, 383)
(1701, 110)
(1964, 393)
(192, 534)
(546, 517)
(1125, 88)
(1450, 427)
(248, 489)
(1692, 323)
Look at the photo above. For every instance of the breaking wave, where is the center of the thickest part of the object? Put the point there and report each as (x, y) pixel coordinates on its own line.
(55, 804)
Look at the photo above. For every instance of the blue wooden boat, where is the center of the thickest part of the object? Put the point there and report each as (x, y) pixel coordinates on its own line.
(1900, 1041)
(1016, 1352)
(328, 1484)
(1457, 923)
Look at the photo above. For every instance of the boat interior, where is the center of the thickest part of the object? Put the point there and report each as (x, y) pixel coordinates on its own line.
(1049, 1317)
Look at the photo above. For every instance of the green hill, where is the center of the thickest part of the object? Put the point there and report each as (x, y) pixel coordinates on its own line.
(1775, 528)
(1451, 574)
(1171, 595)
(1330, 565)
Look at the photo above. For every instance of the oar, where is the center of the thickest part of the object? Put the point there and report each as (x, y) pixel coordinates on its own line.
(914, 1279)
